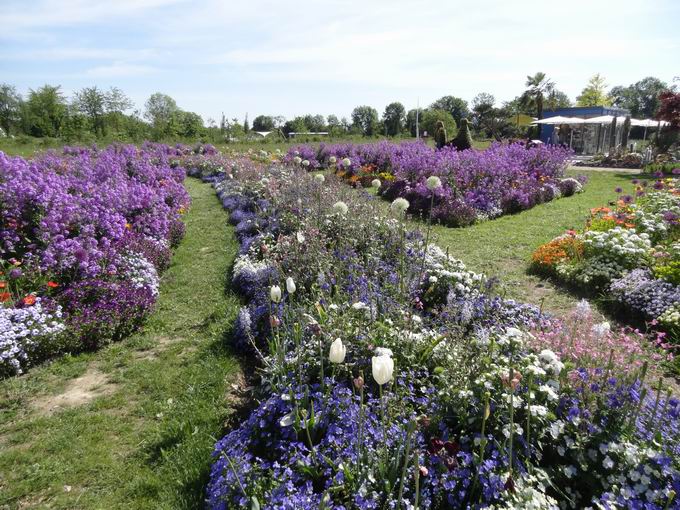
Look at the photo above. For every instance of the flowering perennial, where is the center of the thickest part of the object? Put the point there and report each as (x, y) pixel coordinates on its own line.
(393, 377)
(629, 252)
(460, 187)
(83, 237)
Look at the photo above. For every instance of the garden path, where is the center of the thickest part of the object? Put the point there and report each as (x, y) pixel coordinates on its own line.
(133, 425)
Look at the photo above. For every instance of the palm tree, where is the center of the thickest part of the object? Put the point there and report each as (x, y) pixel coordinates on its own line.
(538, 86)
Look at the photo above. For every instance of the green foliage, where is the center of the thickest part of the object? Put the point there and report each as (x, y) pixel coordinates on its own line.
(411, 122)
(463, 139)
(315, 123)
(297, 125)
(625, 132)
(665, 168)
(44, 112)
(640, 98)
(440, 137)
(429, 119)
(263, 123)
(538, 87)
(159, 109)
(394, 118)
(594, 94)
(669, 272)
(365, 118)
(10, 108)
(457, 107)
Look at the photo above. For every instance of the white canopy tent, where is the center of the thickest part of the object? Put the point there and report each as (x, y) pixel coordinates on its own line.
(559, 120)
(647, 123)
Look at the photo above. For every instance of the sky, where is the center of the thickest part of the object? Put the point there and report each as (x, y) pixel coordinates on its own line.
(295, 57)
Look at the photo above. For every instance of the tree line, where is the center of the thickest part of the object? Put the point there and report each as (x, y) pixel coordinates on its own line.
(95, 113)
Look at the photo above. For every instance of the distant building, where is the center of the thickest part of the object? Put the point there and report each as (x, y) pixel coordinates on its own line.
(584, 138)
(293, 134)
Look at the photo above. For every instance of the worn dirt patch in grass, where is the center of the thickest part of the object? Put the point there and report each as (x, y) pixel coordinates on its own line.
(79, 391)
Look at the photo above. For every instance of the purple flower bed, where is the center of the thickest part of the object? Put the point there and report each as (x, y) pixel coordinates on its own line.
(393, 377)
(89, 229)
(476, 185)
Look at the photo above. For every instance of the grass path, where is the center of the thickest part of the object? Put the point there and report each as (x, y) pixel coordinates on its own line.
(133, 425)
(503, 247)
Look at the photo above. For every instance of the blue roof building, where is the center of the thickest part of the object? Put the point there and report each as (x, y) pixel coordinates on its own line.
(585, 139)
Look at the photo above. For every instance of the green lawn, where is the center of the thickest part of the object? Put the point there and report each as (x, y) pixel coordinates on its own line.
(160, 397)
(502, 247)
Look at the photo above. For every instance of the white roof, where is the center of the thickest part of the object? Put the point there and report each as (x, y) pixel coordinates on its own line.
(559, 120)
(647, 122)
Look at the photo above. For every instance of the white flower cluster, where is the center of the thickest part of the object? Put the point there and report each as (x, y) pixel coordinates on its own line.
(600, 268)
(629, 458)
(619, 243)
(245, 264)
(671, 316)
(446, 270)
(649, 212)
(529, 493)
(141, 272)
(21, 329)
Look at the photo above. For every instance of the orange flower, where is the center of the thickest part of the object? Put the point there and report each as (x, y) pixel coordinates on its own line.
(4, 296)
(557, 250)
(52, 285)
(128, 226)
(3, 285)
(29, 300)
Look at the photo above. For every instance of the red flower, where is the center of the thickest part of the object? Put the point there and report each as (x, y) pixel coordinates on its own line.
(3, 285)
(4, 296)
(29, 300)
(52, 285)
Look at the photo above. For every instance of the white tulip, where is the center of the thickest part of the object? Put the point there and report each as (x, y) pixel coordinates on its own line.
(383, 351)
(297, 160)
(300, 237)
(433, 182)
(275, 293)
(346, 162)
(375, 183)
(332, 160)
(383, 368)
(305, 163)
(290, 285)
(319, 178)
(340, 208)
(337, 352)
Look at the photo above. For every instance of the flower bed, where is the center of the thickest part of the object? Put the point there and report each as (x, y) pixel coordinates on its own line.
(477, 185)
(83, 238)
(629, 252)
(392, 377)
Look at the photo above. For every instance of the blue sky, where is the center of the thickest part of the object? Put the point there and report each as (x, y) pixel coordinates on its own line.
(295, 57)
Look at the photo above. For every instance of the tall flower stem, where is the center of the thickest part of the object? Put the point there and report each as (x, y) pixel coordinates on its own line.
(417, 479)
(427, 238)
(323, 383)
(407, 453)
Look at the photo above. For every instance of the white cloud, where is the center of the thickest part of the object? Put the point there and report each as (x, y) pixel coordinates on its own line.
(120, 69)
